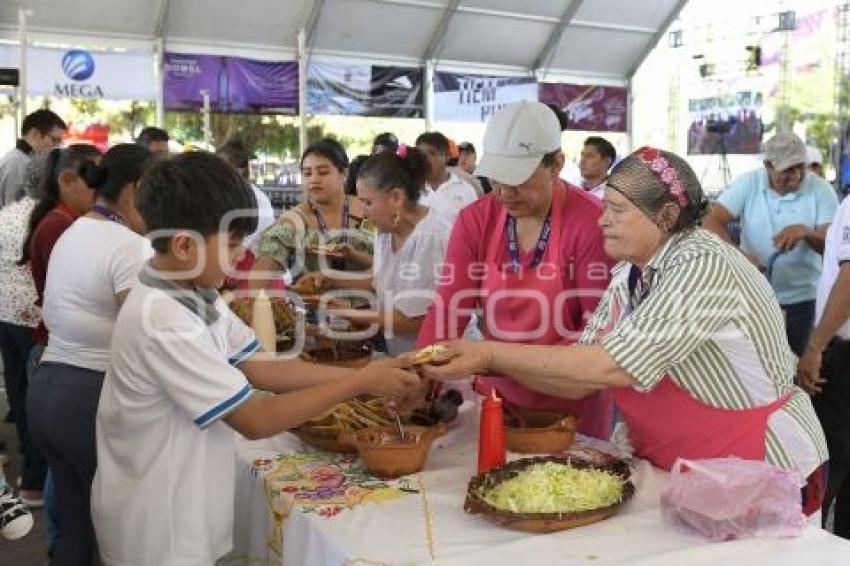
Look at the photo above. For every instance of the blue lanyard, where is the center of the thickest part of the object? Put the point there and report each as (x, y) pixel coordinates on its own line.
(771, 261)
(108, 214)
(323, 226)
(513, 245)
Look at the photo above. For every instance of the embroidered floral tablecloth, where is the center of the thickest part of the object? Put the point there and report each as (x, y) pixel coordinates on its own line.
(327, 511)
(322, 483)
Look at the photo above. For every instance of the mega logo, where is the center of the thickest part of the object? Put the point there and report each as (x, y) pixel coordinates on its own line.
(78, 65)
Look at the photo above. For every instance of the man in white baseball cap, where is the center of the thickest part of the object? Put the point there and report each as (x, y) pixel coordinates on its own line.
(529, 254)
(784, 214)
(517, 138)
(815, 161)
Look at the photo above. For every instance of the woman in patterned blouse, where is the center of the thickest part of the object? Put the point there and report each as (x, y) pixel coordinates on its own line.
(688, 336)
(19, 315)
(298, 242)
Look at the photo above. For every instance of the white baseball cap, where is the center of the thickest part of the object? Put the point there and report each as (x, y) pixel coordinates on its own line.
(785, 150)
(814, 155)
(517, 137)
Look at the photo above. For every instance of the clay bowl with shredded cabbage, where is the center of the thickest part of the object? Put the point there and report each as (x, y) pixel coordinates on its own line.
(549, 494)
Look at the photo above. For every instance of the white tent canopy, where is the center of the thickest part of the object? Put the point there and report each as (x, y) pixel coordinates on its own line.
(589, 40)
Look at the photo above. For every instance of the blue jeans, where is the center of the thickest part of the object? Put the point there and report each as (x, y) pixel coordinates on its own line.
(49, 489)
(16, 345)
(62, 406)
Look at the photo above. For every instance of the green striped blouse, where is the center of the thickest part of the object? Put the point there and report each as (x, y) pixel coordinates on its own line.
(710, 321)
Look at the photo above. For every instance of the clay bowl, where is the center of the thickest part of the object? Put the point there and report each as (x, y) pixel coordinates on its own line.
(539, 432)
(542, 522)
(387, 456)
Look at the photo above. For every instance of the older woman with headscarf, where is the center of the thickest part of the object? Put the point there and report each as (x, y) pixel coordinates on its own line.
(688, 336)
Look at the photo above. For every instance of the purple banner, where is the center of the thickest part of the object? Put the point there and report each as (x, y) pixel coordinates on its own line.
(589, 107)
(234, 84)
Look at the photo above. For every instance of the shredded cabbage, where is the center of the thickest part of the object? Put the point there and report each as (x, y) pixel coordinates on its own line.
(555, 488)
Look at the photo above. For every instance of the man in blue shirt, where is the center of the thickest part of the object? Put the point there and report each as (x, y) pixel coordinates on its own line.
(784, 213)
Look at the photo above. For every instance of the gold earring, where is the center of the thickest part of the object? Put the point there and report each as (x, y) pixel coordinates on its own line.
(396, 219)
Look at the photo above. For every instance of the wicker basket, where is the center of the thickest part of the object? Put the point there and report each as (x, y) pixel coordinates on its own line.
(542, 522)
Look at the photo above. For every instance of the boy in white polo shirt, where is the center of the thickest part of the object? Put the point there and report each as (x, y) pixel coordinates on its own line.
(182, 374)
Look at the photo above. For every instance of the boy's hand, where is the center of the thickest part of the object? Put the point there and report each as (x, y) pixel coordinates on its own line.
(386, 378)
(417, 397)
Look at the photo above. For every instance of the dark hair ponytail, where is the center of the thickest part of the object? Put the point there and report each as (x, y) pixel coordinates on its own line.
(387, 171)
(59, 160)
(121, 165)
(353, 170)
(92, 174)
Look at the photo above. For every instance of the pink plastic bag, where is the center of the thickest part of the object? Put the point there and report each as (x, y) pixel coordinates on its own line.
(729, 498)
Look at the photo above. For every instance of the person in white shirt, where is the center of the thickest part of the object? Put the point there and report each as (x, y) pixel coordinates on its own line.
(823, 368)
(597, 157)
(154, 140)
(91, 269)
(814, 161)
(466, 157)
(443, 184)
(409, 249)
(182, 374)
(237, 155)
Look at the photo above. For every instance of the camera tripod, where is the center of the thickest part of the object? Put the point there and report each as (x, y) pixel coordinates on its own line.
(722, 162)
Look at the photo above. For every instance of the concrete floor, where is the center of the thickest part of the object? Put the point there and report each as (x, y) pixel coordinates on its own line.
(32, 549)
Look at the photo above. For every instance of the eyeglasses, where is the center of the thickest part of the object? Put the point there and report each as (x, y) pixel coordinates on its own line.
(55, 140)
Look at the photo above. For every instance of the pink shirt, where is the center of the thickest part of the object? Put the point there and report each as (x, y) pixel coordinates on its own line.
(547, 305)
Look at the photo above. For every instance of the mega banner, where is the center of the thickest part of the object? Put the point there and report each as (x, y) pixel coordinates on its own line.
(364, 90)
(594, 108)
(474, 98)
(234, 84)
(82, 73)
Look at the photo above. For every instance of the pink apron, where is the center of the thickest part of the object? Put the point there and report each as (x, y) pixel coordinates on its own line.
(524, 302)
(668, 422)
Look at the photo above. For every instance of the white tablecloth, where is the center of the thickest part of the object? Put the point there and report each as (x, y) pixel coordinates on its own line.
(397, 532)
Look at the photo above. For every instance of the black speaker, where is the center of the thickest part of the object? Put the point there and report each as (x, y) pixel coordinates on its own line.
(9, 77)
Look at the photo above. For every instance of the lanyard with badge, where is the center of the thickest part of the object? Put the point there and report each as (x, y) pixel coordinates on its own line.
(513, 244)
(323, 226)
(638, 285)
